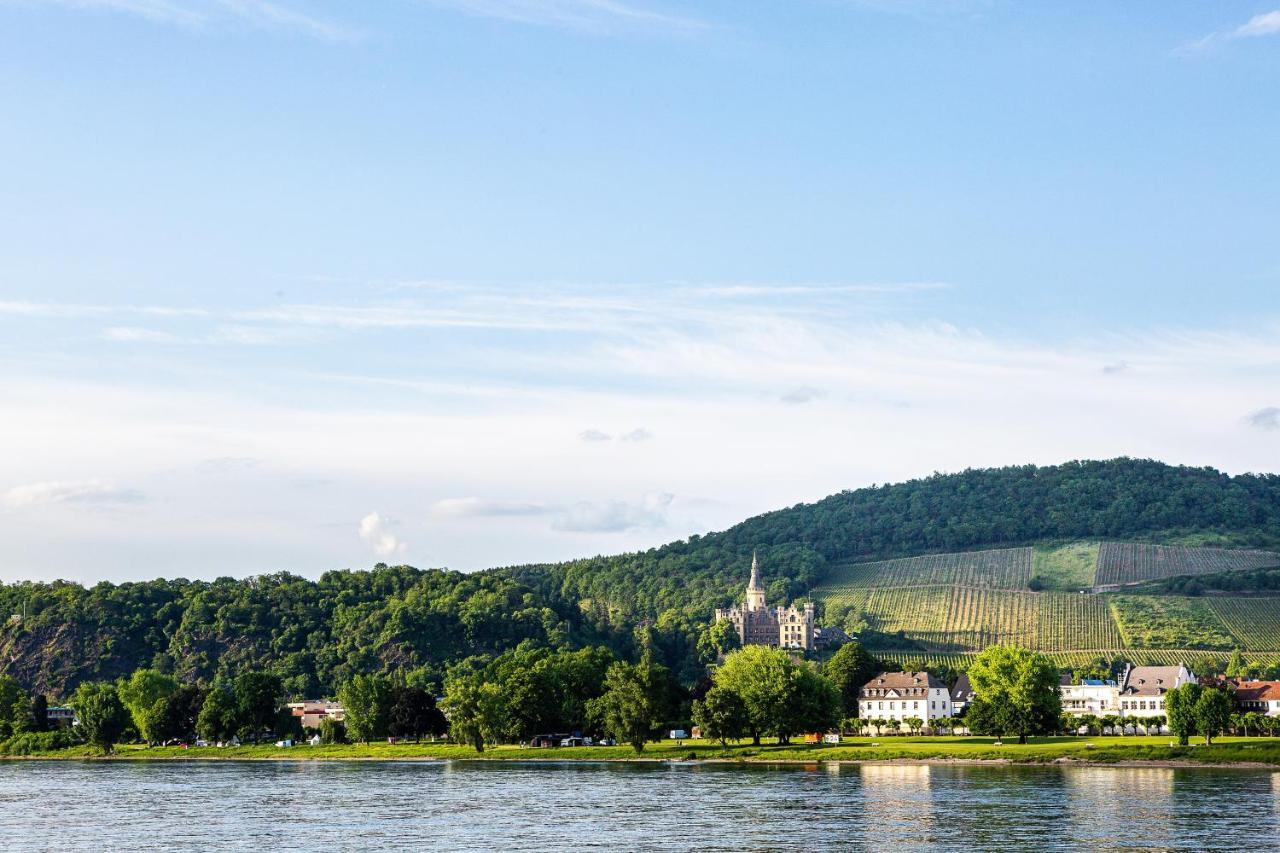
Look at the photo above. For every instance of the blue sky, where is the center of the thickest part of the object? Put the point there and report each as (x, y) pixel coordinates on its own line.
(303, 285)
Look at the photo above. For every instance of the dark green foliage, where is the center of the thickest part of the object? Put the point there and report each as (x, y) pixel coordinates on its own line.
(39, 713)
(632, 705)
(257, 696)
(1180, 710)
(1016, 692)
(182, 713)
(33, 742)
(848, 669)
(367, 699)
(332, 731)
(414, 714)
(1212, 712)
(722, 715)
(219, 718)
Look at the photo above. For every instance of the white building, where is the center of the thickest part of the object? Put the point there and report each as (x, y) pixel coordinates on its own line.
(903, 695)
(1091, 696)
(1260, 697)
(1142, 689)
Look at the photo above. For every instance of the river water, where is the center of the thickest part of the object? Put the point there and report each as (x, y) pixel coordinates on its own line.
(473, 805)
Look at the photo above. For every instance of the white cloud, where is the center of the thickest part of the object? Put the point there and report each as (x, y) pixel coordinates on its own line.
(67, 491)
(585, 15)
(614, 516)
(1266, 24)
(206, 14)
(1115, 367)
(1268, 418)
(637, 434)
(376, 530)
(481, 508)
(594, 435)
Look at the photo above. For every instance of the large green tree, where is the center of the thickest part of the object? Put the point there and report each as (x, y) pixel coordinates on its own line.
(722, 715)
(366, 701)
(783, 698)
(1180, 710)
(1213, 712)
(145, 694)
(630, 708)
(414, 714)
(475, 711)
(849, 669)
(1015, 692)
(13, 706)
(101, 715)
(258, 696)
(219, 717)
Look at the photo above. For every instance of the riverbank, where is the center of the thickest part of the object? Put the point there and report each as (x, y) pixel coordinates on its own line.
(1144, 751)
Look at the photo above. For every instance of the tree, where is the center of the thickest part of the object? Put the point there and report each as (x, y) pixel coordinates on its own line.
(814, 704)
(39, 713)
(332, 731)
(849, 669)
(914, 724)
(722, 715)
(13, 704)
(219, 717)
(765, 679)
(718, 639)
(101, 714)
(1180, 710)
(366, 699)
(1252, 721)
(475, 711)
(1212, 713)
(145, 694)
(257, 701)
(1016, 691)
(1236, 667)
(628, 708)
(182, 713)
(414, 714)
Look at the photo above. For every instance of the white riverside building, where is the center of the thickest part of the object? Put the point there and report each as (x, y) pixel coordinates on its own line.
(1139, 695)
(903, 695)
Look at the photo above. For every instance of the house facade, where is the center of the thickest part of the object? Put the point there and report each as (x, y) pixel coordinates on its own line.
(1142, 689)
(961, 694)
(903, 695)
(758, 625)
(1259, 697)
(1091, 696)
(312, 712)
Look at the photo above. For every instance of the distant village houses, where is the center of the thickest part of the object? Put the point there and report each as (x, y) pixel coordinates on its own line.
(757, 625)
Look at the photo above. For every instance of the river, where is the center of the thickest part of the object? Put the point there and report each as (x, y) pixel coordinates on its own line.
(474, 805)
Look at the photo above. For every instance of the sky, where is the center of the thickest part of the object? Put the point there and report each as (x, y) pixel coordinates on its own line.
(299, 286)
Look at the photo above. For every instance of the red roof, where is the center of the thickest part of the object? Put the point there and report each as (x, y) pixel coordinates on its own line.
(1258, 690)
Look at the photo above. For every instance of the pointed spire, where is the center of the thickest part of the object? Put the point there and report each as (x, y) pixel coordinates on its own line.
(754, 583)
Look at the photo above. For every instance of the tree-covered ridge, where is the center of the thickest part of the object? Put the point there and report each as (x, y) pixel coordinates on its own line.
(1018, 505)
(317, 634)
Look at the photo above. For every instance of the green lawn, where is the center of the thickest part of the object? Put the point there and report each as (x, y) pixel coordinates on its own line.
(1041, 749)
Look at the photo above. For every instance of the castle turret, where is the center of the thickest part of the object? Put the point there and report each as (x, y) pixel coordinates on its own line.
(755, 591)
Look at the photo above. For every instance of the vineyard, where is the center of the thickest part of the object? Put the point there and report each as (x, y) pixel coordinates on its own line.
(966, 618)
(1007, 568)
(1254, 621)
(1131, 562)
(1140, 657)
(1166, 622)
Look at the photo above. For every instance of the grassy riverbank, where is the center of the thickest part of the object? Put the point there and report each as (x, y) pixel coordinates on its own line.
(1106, 750)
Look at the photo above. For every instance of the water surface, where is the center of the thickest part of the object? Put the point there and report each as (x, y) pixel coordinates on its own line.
(321, 806)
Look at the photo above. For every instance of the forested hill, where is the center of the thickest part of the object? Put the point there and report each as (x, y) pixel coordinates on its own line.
(1119, 498)
(315, 634)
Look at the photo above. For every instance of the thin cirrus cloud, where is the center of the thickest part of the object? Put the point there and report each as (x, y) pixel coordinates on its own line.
(212, 14)
(1260, 25)
(84, 492)
(593, 16)
(614, 516)
(481, 508)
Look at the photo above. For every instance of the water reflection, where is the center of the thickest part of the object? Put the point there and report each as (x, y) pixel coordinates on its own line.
(655, 806)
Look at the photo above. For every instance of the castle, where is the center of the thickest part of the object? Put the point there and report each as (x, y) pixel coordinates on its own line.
(757, 625)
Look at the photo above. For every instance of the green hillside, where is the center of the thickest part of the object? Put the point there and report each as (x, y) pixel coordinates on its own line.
(944, 564)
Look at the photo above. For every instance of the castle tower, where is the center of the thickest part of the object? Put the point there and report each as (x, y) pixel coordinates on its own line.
(755, 592)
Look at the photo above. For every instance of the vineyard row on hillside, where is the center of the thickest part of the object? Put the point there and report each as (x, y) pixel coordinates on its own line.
(1007, 568)
(1142, 657)
(1132, 562)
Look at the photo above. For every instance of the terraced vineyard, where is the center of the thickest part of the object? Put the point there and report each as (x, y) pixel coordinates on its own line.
(958, 604)
(1132, 562)
(1168, 622)
(1141, 657)
(1253, 621)
(1007, 568)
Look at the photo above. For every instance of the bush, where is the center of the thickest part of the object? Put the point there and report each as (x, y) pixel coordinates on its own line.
(28, 743)
(332, 731)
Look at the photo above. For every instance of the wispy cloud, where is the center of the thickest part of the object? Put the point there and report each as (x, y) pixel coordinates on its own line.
(481, 508)
(210, 14)
(594, 16)
(1265, 24)
(803, 394)
(1268, 418)
(94, 492)
(594, 435)
(1115, 367)
(637, 434)
(614, 516)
